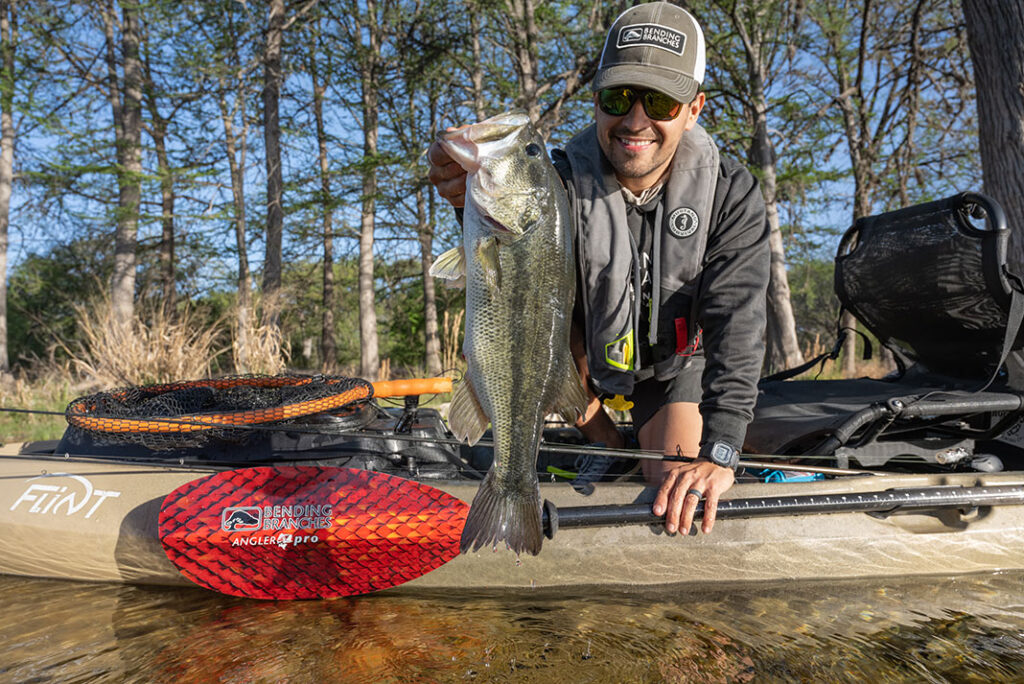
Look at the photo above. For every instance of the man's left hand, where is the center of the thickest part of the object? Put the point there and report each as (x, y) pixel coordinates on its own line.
(677, 497)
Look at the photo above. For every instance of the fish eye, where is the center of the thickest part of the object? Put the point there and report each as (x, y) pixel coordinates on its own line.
(533, 149)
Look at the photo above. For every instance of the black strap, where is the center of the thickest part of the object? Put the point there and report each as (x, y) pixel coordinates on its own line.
(1014, 318)
(841, 334)
(807, 365)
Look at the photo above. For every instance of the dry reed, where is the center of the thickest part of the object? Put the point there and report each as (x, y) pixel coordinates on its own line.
(451, 350)
(260, 347)
(154, 346)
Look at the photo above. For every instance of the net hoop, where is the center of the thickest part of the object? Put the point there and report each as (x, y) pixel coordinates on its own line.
(86, 413)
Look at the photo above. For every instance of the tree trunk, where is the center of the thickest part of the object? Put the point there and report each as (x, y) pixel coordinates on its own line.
(369, 351)
(236, 165)
(167, 266)
(994, 30)
(127, 114)
(783, 345)
(432, 356)
(328, 345)
(477, 75)
(523, 32)
(426, 216)
(275, 180)
(8, 34)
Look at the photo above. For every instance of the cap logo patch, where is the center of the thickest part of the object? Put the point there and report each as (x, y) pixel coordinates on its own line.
(651, 35)
(683, 222)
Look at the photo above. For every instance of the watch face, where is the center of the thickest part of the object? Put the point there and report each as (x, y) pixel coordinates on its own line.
(723, 455)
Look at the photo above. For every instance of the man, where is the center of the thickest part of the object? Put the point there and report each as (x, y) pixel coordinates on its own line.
(672, 244)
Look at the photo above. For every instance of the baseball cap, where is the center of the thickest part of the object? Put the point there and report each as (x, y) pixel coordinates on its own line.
(655, 45)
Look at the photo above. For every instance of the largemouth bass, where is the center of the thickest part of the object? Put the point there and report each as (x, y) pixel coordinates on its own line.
(517, 261)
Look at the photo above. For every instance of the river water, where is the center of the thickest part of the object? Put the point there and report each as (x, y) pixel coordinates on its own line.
(922, 630)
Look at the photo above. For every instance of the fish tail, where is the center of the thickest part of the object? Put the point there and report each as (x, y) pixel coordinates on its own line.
(511, 517)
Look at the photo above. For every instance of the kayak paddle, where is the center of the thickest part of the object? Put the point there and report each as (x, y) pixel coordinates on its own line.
(299, 532)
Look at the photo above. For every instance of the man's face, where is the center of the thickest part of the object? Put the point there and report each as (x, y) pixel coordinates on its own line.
(641, 149)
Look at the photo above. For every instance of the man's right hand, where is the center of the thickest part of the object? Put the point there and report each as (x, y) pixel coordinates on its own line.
(447, 176)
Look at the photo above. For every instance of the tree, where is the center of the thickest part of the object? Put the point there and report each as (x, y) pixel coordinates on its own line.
(8, 42)
(319, 82)
(994, 32)
(876, 59)
(272, 79)
(125, 95)
(764, 33)
(370, 72)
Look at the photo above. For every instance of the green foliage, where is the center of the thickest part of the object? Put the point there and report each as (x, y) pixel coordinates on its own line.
(203, 61)
(43, 292)
(815, 305)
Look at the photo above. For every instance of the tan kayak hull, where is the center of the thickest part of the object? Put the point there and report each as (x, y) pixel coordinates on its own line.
(95, 520)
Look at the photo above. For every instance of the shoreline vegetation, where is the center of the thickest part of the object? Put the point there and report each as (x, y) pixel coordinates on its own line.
(157, 347)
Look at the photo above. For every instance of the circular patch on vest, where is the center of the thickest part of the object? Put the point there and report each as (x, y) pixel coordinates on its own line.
(683, 222)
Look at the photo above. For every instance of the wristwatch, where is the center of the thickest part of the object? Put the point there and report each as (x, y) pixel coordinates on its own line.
(720, 453)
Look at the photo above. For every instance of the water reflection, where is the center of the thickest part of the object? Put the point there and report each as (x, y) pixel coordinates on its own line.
(932, 629)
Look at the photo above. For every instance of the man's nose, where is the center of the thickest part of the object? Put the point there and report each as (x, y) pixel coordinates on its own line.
(636, 118)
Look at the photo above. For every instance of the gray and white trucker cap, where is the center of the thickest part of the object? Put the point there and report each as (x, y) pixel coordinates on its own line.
(656, 45)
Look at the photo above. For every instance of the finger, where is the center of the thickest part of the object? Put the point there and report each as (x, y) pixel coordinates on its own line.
(443, 172)
(437, 156)
(710, 511)
(454, 191)
(661, 498)
(690, 507)
(677, 504)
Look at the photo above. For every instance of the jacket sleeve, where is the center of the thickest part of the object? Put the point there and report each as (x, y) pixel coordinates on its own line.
(731, 306)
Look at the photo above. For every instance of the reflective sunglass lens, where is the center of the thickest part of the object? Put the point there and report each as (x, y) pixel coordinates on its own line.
(617, 101)
(660, 107)
(657, 106)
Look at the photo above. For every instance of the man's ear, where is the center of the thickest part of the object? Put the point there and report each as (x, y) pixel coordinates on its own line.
(693, 109)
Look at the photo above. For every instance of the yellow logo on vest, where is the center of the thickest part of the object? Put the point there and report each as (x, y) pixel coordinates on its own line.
(619, 353)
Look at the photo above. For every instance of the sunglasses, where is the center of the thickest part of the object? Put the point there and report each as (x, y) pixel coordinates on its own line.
(657, 106)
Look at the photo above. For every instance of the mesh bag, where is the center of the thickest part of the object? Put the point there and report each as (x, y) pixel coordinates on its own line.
(192, 413)
(930, 285)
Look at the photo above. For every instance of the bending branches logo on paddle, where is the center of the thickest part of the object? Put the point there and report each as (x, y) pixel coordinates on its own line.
(274, 518)
(244, 519)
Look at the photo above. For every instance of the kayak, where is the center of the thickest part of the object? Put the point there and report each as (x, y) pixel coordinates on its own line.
(95, 515)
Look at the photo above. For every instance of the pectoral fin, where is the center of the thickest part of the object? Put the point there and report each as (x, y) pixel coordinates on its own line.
(466, 417)
(451, 266)
(490, 263)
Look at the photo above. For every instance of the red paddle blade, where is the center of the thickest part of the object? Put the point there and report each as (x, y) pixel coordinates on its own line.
(300, 532)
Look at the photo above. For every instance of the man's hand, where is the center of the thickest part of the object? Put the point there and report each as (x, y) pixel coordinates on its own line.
(677, 497)
(447, 176)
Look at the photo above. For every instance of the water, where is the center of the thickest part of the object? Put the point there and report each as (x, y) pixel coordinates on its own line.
(922, 630)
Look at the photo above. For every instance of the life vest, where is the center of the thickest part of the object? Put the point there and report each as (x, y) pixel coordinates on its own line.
(609, 262)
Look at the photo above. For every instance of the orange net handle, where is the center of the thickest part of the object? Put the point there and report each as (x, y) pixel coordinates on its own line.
(404, 388)
(78, 415)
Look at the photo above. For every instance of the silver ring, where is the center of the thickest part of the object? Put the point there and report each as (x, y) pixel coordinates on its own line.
(695, 492)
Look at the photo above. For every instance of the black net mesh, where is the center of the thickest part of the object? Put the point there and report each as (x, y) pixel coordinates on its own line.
(190, 414)
(922, 282)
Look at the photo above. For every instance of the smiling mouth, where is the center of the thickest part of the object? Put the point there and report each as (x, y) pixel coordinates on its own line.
(634, 142)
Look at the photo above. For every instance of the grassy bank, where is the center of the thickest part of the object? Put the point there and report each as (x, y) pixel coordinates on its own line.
(44, 396)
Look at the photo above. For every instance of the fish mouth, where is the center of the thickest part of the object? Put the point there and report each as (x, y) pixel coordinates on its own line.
(470, 144)
(496, 226)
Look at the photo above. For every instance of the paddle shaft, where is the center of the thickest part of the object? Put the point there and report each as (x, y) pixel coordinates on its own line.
(889, 501)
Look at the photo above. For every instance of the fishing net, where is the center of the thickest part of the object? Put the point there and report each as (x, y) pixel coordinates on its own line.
(196, 412)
